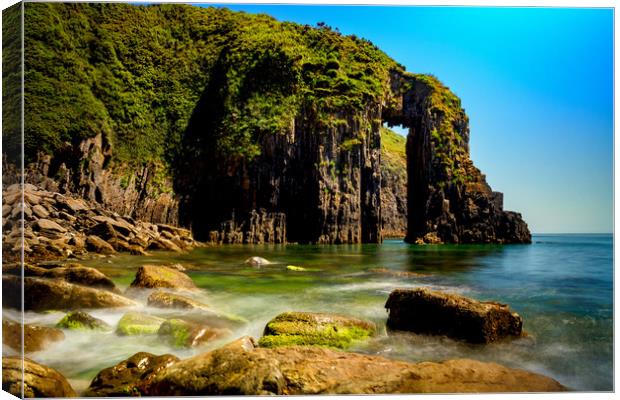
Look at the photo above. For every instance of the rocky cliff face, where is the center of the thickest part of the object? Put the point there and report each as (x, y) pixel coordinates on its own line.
(85, 169)
(393, 184)
(449, 199)
(315, 183)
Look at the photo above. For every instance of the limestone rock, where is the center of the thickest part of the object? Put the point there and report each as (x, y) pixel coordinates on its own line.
(47, 294)
(153, 276)
(315, 329)
(36, 337)
(82, 321)
(125, 378)
(428, 312)
(38, 380)
(242, 369)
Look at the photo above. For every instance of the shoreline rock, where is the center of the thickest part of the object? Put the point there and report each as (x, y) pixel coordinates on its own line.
(154, 276)
(428, 312)
(241, 368)
(315, 329)
(36, 337)
(38, 380)
(52, 294)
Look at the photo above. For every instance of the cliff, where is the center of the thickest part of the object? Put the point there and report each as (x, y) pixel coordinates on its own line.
(448, 198)
(393, 184)
(243, 128)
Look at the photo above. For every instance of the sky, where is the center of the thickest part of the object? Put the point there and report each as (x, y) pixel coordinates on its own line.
(537, 84)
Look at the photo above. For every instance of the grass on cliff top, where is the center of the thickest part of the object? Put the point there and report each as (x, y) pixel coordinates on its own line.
(135, 74)
(393, 151)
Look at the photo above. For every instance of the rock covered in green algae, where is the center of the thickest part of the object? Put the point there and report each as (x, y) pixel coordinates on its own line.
(133, 323)
(241, 368)
(38, 380)
(154, 276)
(36, 337)
(126, 378)
(182, 333)
(82, 321)
(315, 329)
(429, 312)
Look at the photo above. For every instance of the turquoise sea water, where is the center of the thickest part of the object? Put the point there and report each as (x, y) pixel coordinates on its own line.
(562, 286)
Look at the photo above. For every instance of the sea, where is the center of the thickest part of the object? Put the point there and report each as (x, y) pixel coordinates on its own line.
(562, 286)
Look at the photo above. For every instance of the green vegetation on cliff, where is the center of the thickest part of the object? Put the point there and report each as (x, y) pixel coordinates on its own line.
(135, 74)
(393, 151)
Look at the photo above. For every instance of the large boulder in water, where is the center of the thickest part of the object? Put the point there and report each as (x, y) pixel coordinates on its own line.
(243, 369)
(153, 276)
(53, 294)
(315, 329)
(428, 312)
(36, 337)
(125, 378)
(38, 380)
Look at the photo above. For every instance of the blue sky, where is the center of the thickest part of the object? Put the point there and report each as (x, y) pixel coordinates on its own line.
(537, 84)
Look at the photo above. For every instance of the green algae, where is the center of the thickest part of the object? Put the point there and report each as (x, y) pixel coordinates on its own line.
(138, 324)
(314, 329)
(77, 320)
(177, 331)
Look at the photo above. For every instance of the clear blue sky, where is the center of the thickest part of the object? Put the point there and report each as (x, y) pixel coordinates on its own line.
(537, 84)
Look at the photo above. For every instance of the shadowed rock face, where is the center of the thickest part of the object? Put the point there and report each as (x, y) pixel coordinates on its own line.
(427, 312)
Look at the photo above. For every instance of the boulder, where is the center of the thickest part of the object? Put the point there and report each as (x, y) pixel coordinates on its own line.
(52, 294)
(83, 276)
(164, 244)
(153, 276)
(428, 312)
(46, 225)
(243, 369)
(182, 333)
(82, 321)
(40, 212)
(133, 323)
(256, 261)
(315, 329)
(98, 245)
(38, 380)
(125, 378)
(36, 337)
(170, 300)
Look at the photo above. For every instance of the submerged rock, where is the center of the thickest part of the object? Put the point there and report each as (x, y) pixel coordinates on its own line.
(181, 333)
(428, 312)
(153, 276)
(257, 261)
(315, 329)
(53, 294)
(133, 323)
(242, 369)
(172, 300)
(81, 320)
(38, 380)
(36, 337)
(125, 378)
